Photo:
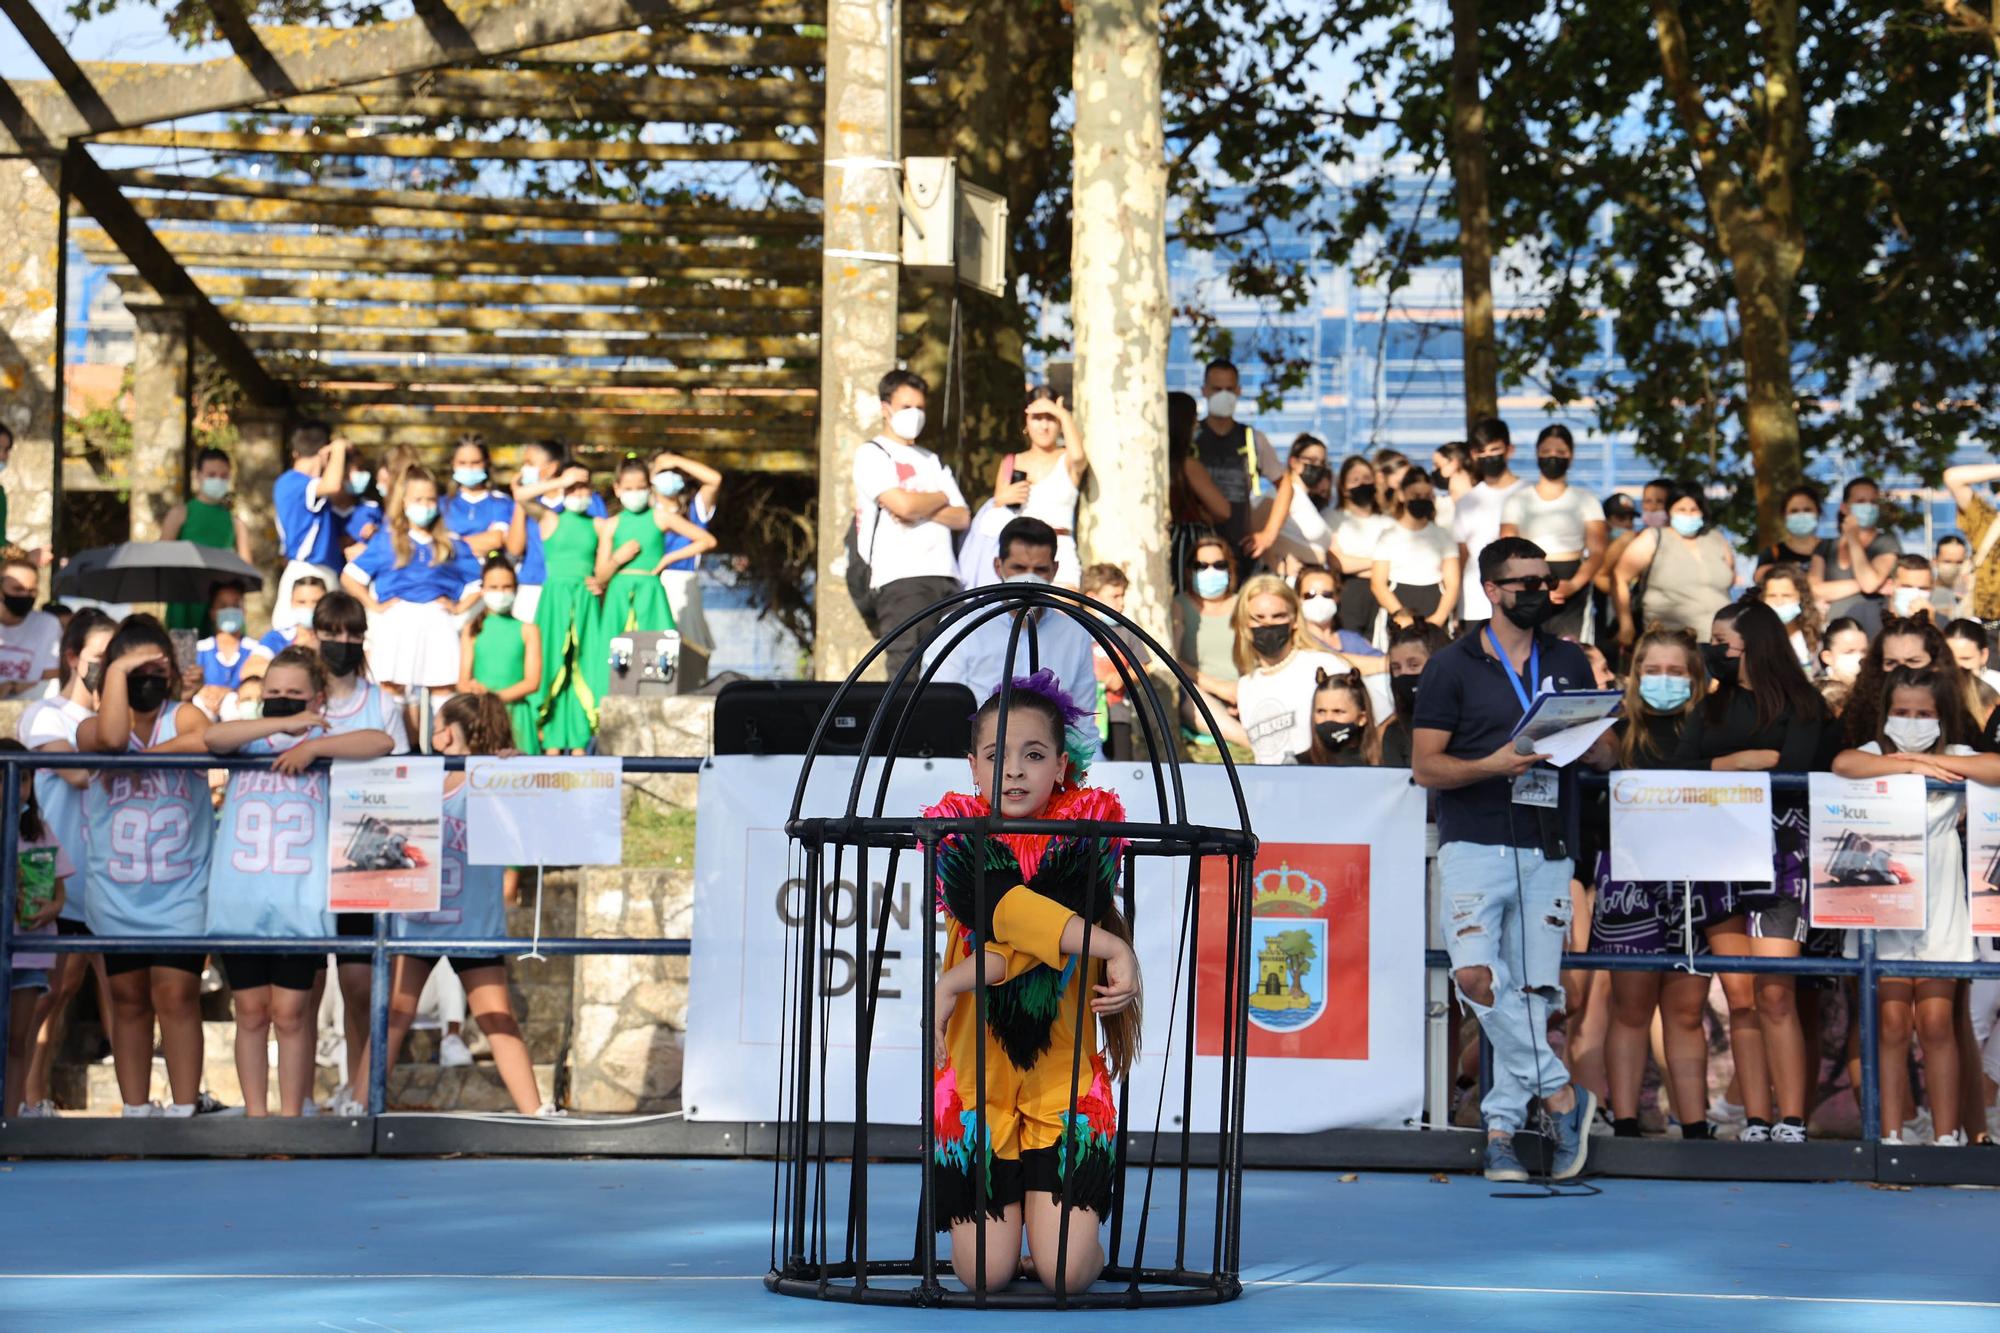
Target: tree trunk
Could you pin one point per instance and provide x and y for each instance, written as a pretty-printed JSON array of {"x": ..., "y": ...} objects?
[
  {"x": 1119, "y": 307},
  {"x": 1469, "y": 162},
  {"x": 1765, "y": 271}
]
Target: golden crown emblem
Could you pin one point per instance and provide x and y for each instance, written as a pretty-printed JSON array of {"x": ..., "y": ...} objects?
[{"x": 1287, "y": 891}]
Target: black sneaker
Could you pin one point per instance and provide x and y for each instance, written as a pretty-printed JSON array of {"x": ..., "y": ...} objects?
[{"x": 207, "y": 1105}]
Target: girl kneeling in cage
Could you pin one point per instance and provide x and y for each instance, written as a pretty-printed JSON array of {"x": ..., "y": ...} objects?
[{"x": 1039, "y": 1155}]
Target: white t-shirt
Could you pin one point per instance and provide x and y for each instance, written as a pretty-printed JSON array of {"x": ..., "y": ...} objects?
[
  {"x": 895, "y": 549},
  {"x": 1355, "y": 535},
  {"x": 1276, "y": 707},
  {"x": 1416, "y": 556},
  {"x": 29, "y": 650},
  {"x": 1554, "y": 525},
  {"x": 48, "y": 720},
  {"x": 1475, "y": 523},
  {"x": 1303, "y": 523},
  {"x": 979, "y": 661}
]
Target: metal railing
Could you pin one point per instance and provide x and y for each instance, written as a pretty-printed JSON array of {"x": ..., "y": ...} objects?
[{"x": 380, "y": 947}]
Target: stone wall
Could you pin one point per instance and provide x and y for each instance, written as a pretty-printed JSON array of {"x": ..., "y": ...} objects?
[{"x": 631, "y": 1013}]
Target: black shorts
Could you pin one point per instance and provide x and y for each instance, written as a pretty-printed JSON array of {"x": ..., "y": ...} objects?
[
  {"x": 118, "y": 964},
  {"x": 463, "y": 965},
  {"x": 286, "y": 971},
  {"x": 352, "y": 925},
  {"x": 64, "y": 926}
]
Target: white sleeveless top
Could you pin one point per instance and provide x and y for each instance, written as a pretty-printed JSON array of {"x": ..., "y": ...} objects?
[{"x": 1053, "y": 498}]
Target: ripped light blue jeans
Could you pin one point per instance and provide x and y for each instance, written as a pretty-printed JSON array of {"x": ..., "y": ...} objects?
[{"x": 1514, "y": 924}]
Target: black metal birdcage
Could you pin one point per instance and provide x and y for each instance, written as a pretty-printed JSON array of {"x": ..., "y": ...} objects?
[{"x": 822, "y": 1246}]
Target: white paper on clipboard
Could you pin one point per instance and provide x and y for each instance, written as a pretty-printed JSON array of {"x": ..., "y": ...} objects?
[{"x": 1563, "y": 726}]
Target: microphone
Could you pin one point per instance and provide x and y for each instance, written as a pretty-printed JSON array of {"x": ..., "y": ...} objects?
[{"x": 1524, "y": 745}]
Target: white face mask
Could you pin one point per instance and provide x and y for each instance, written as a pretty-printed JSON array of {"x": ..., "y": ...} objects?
[
  {"x": 214, "y": 488},
  {"x": 577, "y": 504},
  {"x": 420, "y": 515},
  {"x": 1912, "y": 735},
  {"x": 1317, "y": 610},
  {"x": 906, "y": 423},
  {"x": 1845, "y": 666},
  {"x": 530, "y": 474},
  {"x": 1031, "y": 580},
  {"x": 500, "y": 601},
  {"x": 1910, "y": 600},
  {"x": 635, "y": 500},
  {"x": 1222, "y": 405}
]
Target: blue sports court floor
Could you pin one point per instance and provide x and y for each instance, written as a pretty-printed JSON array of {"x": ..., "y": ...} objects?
[{"x": 376, "y": 1245}]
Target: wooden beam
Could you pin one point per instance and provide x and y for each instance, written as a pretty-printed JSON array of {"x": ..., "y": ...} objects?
[
  {"x": 679, "y": 350},
  {"x": 358, "y": 374},
  {"x": 533, "y": 398},
  {"x": 406, "y": 106},
  {"x": 233, "y": 142},
  {"x": 433, "y": 291},
  {"x": 222, "y": 249},
  {"x": 634, "y": 437},
  {"x": 94, "y": 98},
  {"x": 712, "y": 50},
  {"x": 496, "y": 218},
  {"x": 599, "y": 456},
  {"x": 555, "y": 422},
  {"x": 502, "y": 320}
]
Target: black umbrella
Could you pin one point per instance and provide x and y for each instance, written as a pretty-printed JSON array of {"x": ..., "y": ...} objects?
[{"x": 153, "y": 572}]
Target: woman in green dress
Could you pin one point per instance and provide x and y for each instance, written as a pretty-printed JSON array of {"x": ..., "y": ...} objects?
[
  {"x": 499, "y": 655},
  {"x": 206, "y": 519},
  {"x": 631, "y": 551},
  {"x": 566, "y": 703}
]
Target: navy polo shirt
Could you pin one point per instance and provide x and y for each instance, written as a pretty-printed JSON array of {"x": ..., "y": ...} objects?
[{"x": 1464, "y": 691}]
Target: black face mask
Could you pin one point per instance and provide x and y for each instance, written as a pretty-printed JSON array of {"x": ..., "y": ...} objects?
[
  {"x": 1403, "y": 689},
  {"x": 1363, "y": 496},
  {"x": 93, "y": 679},
  {"x": 1422, "y": 510},
  {"x": 1532, "y": 609},
  {"x": 1440, "y": 480},
  {"x": 1724, "y": 669},
  {"x": 1270, "y": 640},
  {"x": 145, "y": 693},
  {"x": 284, "y": 707},
  {"x": 342, "y": 659},
  {"x": 1490, "y": 465},
  {"x": 1314, "y": 475},
  {"x": 18, "y": 606},
  {"x": 1337, "y": 736},
  {"x": 1553, "y": 468}
]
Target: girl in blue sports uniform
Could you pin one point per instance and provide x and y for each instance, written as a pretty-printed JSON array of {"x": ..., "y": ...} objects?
[
  {"x": 147, "y": 834},
  {"x": 413, "y": 578},
  {"x": 268, "y": 874},
  {"x": 477, "y": 514},
  {"x": 471, "y": 906},
  {"x": 353, "y": 703}
]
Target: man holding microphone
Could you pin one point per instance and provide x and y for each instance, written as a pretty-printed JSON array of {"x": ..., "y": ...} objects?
[{"x": 1507, "y": 835}]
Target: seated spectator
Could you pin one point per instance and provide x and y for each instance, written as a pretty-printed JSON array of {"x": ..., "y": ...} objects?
[
  {"x": 1785, "y": 589},
  {"x": 1205, "y": 640},
  {"x": 1410, "y": 651},
  {"x": 906, "y": 507},
  {"x": 1276, "y": 666},
  {"x": 309, "y": 533},
  {"x": 1954, "y": 578},
  {"x": 206, "y": 518},
  {"x": 1343, "y": 729},
  {"x": 1841, "y": 650},
  {"x": 979, "y": 661},
  {"x": 1319, "y": 604},
  {"x": 1914, "y": 582},
  {"x": 30, "y": 640}
]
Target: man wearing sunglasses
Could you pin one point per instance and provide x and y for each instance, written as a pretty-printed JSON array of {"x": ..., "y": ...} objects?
[{"x": 1507, "y": 834}]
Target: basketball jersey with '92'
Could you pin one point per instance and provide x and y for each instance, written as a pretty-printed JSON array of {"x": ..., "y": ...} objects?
[
  {"x": 471, "y": 899},
  {"x": 149, "y": 832},
  {"x": 267, "y": 876}
]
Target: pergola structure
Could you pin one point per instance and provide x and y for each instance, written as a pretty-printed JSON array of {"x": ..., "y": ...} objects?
[{"x": 751, "y": 281}]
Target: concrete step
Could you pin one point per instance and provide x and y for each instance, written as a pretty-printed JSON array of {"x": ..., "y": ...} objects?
[{"x": 412, "y": 1087}]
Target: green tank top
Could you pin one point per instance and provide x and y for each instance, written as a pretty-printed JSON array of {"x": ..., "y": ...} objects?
[
  {"x": 640, "y": 528},
  {"x": 571, "y": 551},
  {"x": 209, "y": 525},
  {"x": 500, "y": 653}
]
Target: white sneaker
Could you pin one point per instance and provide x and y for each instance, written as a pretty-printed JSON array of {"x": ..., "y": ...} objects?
[
  {"x": 1892, "y": 1141},
  {"x": 452, "y": 1052},
  {"x": 550, "y": 1111},
  {"x": 179, "y": 1111},
  {"x": 350, "y": 1108},
  {"x": 1725, "y": 1114},
  {"x": 142, "y": 1111},
  {"x": 41, "y": 1110},
  {"x": 1783, "y": 1133},
  {"x": 335, "y": 1098},
  {"x": 1755, "y": 1134},
  {"x": 1955, "y": 1139},
  {"x": 1919, "y": 1128}
]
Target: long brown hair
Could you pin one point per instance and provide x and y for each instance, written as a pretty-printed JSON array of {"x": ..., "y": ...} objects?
[
  {"x": 399, "y": 526},
  {"x": 1348, "y": 683},
  {"x": 1770, "y": 673},
  {"x": 1807, "y": 623},
  {"x": 488, "y": 726},
  {"x": 1862, "y": 717},
  {"x": 1955, "y": 725},
  {"x": 1637, "y": 744}
]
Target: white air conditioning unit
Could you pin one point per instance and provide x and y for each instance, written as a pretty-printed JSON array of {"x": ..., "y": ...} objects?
[{"x": 951, "y": 225}]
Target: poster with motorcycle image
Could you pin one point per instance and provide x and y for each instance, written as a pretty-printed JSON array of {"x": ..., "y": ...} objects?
[
  {"x": 384, "y": 837},
  {"x": 1867, "y": 861}
]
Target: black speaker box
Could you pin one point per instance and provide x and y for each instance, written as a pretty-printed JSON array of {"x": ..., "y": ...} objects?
[{"x": 780, "y": 716}]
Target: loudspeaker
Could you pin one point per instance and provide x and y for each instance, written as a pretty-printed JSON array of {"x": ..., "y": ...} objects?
[{"x": 780, "y": 716}]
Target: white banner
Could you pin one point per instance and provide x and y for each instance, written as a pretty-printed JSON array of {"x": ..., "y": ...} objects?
[
  {"x": 1670, "y": 825},
  {"x": 1867, "y": 852},
  {"x": 1982, "y": 856},
  {"x": 535, "y": 811},
  {"x": 1337, "y": 943}
]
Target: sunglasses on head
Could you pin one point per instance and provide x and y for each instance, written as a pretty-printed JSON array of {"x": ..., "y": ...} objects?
[{"x": 1528, "y": 582}]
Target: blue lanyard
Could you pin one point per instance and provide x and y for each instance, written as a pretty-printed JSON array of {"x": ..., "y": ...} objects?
[{"x": 1534, "y": 667}]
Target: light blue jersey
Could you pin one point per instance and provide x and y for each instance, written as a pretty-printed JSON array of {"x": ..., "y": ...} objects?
[
  {"x": 368, "y": 709},
  {"x": 471, "y": 899},
  {"x": 268, "y": 874},
  {"x": 148, "y": 832}
]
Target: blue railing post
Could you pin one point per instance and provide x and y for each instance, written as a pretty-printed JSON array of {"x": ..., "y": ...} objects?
[
  {"x": 378, "y": 1017},
  {"x": 1870, "y": 1091},
  {"x": 10, "y": 890}
]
